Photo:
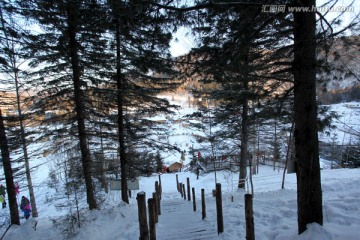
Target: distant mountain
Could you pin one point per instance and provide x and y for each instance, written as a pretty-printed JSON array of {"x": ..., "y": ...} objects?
[{"x": 340, "y": 83}]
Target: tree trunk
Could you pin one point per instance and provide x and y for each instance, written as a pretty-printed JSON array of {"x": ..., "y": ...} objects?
[
  {"x": 34, "y": 211},
  {"x": 14, "y": 212},
  {"x": 288, "y": 155},
  {"x": 244, "y": 70},
  {"x": 104, "y": 182},
  {"x": 306, "y": 139},
  {"x": 15, "y": 70},
  {"x": 244, "y": 136},
  {"x": 276, "y": 147},
  {"x": 79, "y": 104},
  {"x": 119, "y": 80}
]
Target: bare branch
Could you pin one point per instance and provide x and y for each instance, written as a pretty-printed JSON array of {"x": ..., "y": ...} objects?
[{"x": 204, "y": 5}]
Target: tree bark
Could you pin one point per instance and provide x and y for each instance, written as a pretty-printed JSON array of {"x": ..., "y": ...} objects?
[
  {"x": 288, "y": 155},
  {"x": 244, "y": 123},
  {"x": 122, "y": 147},
  {"x": 244, "y": 139},
  {"x": 244, "y": 78},
  {"x": 14, "y": 212},
  {"x": 79, "y": 103},
  {"x": 305, "y": 134},
  {"x": 276, "y": 147}
]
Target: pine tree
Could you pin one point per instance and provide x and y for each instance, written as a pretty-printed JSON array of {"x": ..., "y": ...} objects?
[
  {"x": 72, "y": 28},
  {"x": 303, "y": 66},
  {"x": 236, "y": 43},
  {"x": 159, "y": 162},
  {"x": 143, "y": 69},
  {"x": 5, "y": 155},
  {"x": 12, "y": 59},
  {"x": 305, "y": 133},
  {"x": 68, "y": 56}
]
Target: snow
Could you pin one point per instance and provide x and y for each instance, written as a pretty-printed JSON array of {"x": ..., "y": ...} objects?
[
  {"x": 275, "y": 209},
  {"x": 347, "y": 123}
]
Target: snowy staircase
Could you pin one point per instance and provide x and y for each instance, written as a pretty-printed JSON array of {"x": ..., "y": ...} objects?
[{"x": 178, "y": 221}]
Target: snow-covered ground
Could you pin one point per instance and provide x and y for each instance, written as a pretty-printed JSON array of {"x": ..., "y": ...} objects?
[
  {"x": 347, "y": 124},
  {"x": 275, "y": 210}
]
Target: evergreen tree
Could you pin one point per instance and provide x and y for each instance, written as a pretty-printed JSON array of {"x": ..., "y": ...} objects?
[
  {"x": 301, "y": 62},
  {"x": 67, "y": 56},
  {"x": 159, "y": 162},
  {"x": 143, "y": 69},
  {"x": 236, "y": 42},
  {"x": 12, "y": 59},
  {"x": 305, "y": 133},
  {"x": 5, "y": 155}
]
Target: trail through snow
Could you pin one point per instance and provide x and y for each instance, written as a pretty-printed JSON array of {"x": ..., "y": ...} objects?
[{"x": 179, "y": 221}]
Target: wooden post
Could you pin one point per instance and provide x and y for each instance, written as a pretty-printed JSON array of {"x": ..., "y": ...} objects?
[
  {"x": 188, "y": 189},
  {"x": 194, "y": 201},
  {"x": 181, "y": 190},
  {"x": 152, "y": 214},
  {"x": 160, "y": 187},
  {"x": 203, "y": 205},
  {"x": 143, "y": 226},
  {"x": 159, "y": 206},
  {"x": 177, "y": 183},
  {"x": 220, "y": 220},
  {"x": 183, "y": 187},
  {"x": 249, "y": 217},
  {"x": 158, "y": 199},
  {"x": 156, "y": 207},
  {"x": 157, "y": 187}
]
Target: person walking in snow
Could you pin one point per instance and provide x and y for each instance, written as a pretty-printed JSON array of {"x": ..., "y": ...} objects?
[
  {"x": 25, "y": 206},
  {"x": 2, "y": 201},
  {"x": 27, "y": 211},
  {"x": 2, "y": 196},
  {"x": 2, "y": 190},
  {"x": 24, "y": 201}
]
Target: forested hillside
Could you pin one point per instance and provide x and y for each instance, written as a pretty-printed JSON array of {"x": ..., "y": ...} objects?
[{"x": 90, "y": 94}]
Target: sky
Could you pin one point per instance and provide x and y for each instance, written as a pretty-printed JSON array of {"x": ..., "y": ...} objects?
[{"x": 182, "y": 41}]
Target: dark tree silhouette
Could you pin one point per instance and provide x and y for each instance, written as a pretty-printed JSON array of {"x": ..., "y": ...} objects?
[
  {"x": 5, "y": 154},
  {"x": 309, "y": 194}
]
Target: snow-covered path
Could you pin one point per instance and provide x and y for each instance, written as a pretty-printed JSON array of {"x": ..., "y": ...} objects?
[
  {"x": 275, "y": 210},
  {"x": 179, "y": 221}
]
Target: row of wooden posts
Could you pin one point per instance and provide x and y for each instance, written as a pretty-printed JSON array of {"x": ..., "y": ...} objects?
[
  {"x": 219, "y": 213},
  {"x": 149, "y": 231},
  {"x": 249, "y": 213}
]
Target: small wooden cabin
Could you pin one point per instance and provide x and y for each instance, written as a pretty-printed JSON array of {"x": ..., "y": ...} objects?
[{"x": 175, "y": 167}]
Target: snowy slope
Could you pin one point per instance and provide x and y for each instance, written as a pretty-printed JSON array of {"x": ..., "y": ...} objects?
[
  {"x": 274, "y": 209},
  {"x": 348, "y": 122}
]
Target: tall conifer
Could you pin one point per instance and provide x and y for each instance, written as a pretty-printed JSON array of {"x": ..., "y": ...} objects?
[
  {"x": 67, "y": 53},
  {"x": 143, "y": 70},
  {"x": 235, "y": 42},
  {"x": 12, "y": 61}
]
